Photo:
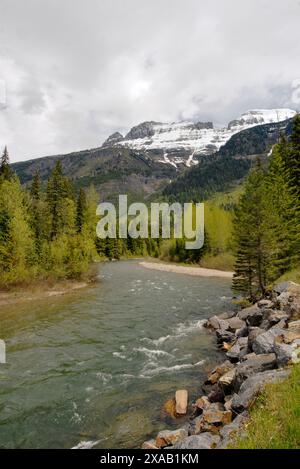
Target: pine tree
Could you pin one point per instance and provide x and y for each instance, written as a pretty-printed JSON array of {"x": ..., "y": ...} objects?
[
  {"x": 5, "y": 169},
  {"x": 291, "y": 157},
  {"x": 251, "y": 241},
  {"x": 35, "y": 187}
]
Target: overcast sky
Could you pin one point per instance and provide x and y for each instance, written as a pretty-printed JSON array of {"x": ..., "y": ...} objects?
[{"x": 78, "y": 70}]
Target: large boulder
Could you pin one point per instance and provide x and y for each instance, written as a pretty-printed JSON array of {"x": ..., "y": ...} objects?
[
  {"x": 224, "y": 336},
  {"x": 212, "y": 419},
  {"x": 203, "y": 441},
  {"x": 275, "y": 317},
  {"x": 253, "y": 386},
  {"x": 252, "y": 365},
  {"x": 253, "y": 333},
  {"x": 181, "y": 401},
  {"x": 235, "y": 323},
  {"x": 284, "y": 353},
  {"x": 252, "y": 315},
  {"x": 264, "y": 343},
  {"x": 169, "y": 437}
]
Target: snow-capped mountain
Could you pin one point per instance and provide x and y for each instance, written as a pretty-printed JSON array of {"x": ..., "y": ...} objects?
[{"x": 184, "y": 142}]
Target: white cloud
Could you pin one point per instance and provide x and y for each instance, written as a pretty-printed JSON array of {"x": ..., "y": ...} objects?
[{"x": 76, "y": 71}]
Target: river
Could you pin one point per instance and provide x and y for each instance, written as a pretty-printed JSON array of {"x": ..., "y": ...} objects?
[{"x": 97, "y": 365}]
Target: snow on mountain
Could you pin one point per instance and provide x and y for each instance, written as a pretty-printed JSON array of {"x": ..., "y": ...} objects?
[{"x": 183, "y": 142}]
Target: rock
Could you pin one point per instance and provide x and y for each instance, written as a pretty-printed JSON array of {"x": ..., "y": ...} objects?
[
  {"x": 284, "y": 353},
  {"x": 294, "y": 325},
  {"x": 253, "y": 333},
  {"x": 203, "y": 441},
  {"x": 265, "y": 304},
  {"x": 253, "y": 365},
  {"x": 181, "y": 399},
  {"x": 253, "y": 386},
  {"x": 216, "y": 394},
  {"x": 264, "y": 343},
  {"x": 218, "y": 371},
  {"x": 217, "y": 417},
  {"x": 252, "y": 315},
  {"x": 228, "y": 432},
  {"x": 235, "y": 323},
  {"x": 213, "y": 323},
  {"x": 243, "y": 332},
  {"x": 226, "y": 381},
  {"x": 227, "y": 315},
  {"x": 274, "y": 317},
  {"x": 202, "y": 403},
  {"x": 228, "y": 403},
  {"x": 224, "y": 336},
  {"x": 168, "y": 437},
  {"x": 150, "y": 444},
  {"x": 284, "y": 299},
  {"x": 216, "y": 322},
  {"x": 234, "y": 353},
  {"x": 283, "y": 286}
]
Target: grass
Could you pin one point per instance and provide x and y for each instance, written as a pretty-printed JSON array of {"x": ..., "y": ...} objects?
[
  {"x": 275, "y": 419},
  {"x": 293, "y": 276},
  {"x": 222, "y": 261}
]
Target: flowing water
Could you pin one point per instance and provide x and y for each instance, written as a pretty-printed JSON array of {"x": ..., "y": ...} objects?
[{"x": 98, "y": 365}]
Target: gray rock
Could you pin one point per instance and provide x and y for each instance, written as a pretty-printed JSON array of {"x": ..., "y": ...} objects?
[
  {"x": 265, "y": 304},
  {"x": 254, "y": 364},
  {"x": 281, "y": 287},
  {"x": 274, "y": 317},
  {"x": 234, "y": 353},
  {"x": 245, "y": 313},
  {"x": 253, "y": 333},
  {"x": 235, "y": 324},
  {"x": 228, "y": 432},
  {"x": 284, "y": 353},
  {"x": 224, "y": 336},
  {"x": 253, "y": 386},
  {"x": 203, "y": 441},
  {"x": 264, "y": 343}
]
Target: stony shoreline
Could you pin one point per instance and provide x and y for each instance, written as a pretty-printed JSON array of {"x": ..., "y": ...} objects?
[{"x": 260, "y": 343}]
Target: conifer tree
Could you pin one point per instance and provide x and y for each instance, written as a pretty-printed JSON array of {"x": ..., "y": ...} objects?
[
  {"x": 5, "y": 169},
  {"x": 251, "y": 241}
]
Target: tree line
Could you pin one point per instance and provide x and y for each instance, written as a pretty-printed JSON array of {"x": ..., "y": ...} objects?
[
  {"x": 48, "y": 229},
  {"x": 267, "y": 219}
]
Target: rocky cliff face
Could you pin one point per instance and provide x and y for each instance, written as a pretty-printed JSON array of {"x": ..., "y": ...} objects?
[{"x": 185, "y": 142}]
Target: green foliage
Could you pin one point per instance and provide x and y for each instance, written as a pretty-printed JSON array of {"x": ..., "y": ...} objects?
[
  {"x": 267, "y": 220},
  {"x": 45, "y": 234},
  {"x": 6, "y": 172}
]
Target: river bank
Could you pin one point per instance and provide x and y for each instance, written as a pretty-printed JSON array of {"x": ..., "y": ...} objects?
[
  {"x": 186, "y": 270},
  {"x": 40, "y": 290},
  {"x": 260, "y": 344}
]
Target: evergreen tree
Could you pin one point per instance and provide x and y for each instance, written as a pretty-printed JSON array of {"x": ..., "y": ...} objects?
[
  {"x": 251, "y": 240},
  {"x": 5, "y": 169},
  {"x": 35, "y": 187}
]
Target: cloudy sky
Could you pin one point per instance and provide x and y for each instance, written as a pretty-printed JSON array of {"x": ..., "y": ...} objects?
[{"x": 77, "y": 70}]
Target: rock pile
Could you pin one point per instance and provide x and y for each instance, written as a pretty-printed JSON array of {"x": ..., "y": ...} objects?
[{"x": 260, "y": 342}]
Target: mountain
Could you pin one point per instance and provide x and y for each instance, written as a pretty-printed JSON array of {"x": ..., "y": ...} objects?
[
  {"x": 186, "y": 142},
  {"x": 153, "y": 155},
  {"x": 228, "y": 166}
]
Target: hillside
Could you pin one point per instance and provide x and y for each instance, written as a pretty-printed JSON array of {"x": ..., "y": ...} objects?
[{"x": 128, "y": 165}]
